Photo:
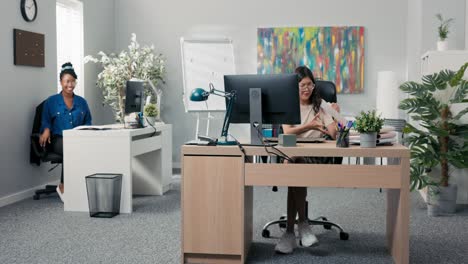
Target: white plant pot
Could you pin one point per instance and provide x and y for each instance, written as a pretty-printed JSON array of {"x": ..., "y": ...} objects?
[
  {"x": 150, "y": 120},
  {"x": 442, "y": 45},
  {"x": 441, "y": 200}
]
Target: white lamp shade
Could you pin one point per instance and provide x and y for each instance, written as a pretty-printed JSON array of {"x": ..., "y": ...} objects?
[{"x": 387, "y": 94}]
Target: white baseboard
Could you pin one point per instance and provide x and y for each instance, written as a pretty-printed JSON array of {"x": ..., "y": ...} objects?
[{"x": 16, "y": 197}]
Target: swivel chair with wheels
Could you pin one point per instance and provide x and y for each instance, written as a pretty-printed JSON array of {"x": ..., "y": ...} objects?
[
  {"x": 39, "y": 154},
  {"x": 327, "y": 91}
]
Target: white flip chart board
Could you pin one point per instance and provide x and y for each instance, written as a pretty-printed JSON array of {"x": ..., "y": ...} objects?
[{"x": 206, "y": 61}]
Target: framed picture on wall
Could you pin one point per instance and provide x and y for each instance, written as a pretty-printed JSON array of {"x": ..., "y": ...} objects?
[
  {"x": 332, "y": 53},
  {"x": 28, "y": 48}
]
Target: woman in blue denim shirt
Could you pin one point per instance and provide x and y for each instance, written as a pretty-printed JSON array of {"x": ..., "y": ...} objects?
[{"x": 62, "y": 111}]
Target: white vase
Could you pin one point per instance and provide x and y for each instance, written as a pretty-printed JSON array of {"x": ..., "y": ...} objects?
[
  {"x": 150, "y": 120},
  {"x": 442, "y": 45}
]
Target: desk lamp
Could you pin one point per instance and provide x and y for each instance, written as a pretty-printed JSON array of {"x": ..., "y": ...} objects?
[{"x": 200, "y": 95}]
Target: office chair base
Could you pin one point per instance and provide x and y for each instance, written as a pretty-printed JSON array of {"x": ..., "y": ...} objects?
[
  {"x": 317, "y": 221},
  {"x": 49, "y": 189}
]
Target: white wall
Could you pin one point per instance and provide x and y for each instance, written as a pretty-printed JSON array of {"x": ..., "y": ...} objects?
[
  {"x": 99, "y": 35},
  {"x": 449, "y": 9},
  {"x": 164, "y": 22},
  {"x": 23, "y": 88},
  {"x": 466, "y": 24},
  {"x": 422, "y": 32},
  {"x": 414, "y": 39}
]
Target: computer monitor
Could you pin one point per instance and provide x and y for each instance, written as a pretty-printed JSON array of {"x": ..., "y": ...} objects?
[
  {"x": 278, "y": 103},
  {"x": 134, "y": 97}
]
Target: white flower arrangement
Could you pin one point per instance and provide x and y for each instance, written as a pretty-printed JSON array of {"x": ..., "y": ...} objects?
[{"x": 138, "y": 62}]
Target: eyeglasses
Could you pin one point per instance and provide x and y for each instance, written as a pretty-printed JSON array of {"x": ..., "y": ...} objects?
[{"x": 306, "y": 86}]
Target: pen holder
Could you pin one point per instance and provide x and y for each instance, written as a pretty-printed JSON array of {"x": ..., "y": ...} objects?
[{"x": 342, "y": 139}]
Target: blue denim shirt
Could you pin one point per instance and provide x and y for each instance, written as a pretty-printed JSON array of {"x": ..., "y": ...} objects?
[{"x": 57, "y": 117}]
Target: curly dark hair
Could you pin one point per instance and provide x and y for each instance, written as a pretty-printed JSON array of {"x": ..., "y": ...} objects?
[
  {"x": 315, "y": 99},
  {"x": 67, "y": 68}
]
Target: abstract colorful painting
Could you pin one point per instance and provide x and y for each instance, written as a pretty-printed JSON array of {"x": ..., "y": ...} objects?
[{"x": 332, "y": 53}]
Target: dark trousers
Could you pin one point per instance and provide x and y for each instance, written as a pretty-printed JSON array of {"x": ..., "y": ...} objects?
[{"x": 56, "y": 146}]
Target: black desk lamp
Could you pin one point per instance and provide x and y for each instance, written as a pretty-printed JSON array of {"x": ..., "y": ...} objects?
[{"x": 199, "y": 95}]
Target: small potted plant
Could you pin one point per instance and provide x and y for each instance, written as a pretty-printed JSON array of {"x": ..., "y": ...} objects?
[
  {"x": 368, "y": 124},
  {"x": 443, "y": 29},
  {"x": 150, "y": 113}
]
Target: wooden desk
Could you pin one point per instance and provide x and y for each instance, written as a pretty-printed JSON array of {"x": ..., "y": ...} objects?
[{"x": 217, "y": 194}]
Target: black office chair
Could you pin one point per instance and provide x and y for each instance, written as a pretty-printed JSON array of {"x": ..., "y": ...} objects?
[
  {"x": 39, "y": 154},
  {"x": 327, "y": 91}
]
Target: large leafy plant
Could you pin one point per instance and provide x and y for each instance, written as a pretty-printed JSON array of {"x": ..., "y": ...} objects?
[
  {"x": 136, "y": 62},
  {"x": 440, "y": 139}
]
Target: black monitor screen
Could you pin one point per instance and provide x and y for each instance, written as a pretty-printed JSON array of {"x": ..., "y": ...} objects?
[
  {"x": 134, "y": 97},
  {"x": 280, "y": 97}
]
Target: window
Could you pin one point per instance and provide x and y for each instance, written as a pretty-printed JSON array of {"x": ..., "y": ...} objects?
[{"x": 70, "y": 39}]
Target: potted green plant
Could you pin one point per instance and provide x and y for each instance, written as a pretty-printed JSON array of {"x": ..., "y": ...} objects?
[
  {"x": 439, "y": 142},
  {"x": 443, "y": 30},
  {"x": 150, "y": 113},
  {"x": 138, "y": 62},
  {"x": 368, "y": 124}
]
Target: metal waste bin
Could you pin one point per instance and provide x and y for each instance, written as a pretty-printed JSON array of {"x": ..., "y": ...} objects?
[{"x": 104, "y": 191}]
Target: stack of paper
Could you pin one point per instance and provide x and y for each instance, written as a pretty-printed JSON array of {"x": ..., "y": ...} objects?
[{"x": 387, "y": 135}]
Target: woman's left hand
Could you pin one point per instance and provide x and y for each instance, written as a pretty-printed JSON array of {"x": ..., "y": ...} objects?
[{"x": 336, "y": 107}]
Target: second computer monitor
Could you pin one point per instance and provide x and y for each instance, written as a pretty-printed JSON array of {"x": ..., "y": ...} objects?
[
  {"x": 134, "y": 97},
  {"x": 278, "y": 103}
]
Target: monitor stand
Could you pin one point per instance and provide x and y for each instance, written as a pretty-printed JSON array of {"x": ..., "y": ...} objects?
[{"x": 255, "y": 100}]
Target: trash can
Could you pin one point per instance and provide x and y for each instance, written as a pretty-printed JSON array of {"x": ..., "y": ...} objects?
[{"x": 104, "y": 194}]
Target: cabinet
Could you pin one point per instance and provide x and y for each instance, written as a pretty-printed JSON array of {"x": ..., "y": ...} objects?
[
  {"x": 435, "y": 61},
  {"x": 214, "y": 206}
]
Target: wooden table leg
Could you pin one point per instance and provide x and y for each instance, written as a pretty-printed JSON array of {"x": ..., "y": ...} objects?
[{"x": 398, "y": 208}]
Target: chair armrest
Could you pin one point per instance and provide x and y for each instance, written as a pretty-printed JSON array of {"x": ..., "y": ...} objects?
[{"x": 38, "y": 150}]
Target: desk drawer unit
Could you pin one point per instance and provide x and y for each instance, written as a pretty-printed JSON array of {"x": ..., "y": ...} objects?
[{"x": 212, "y": 197}]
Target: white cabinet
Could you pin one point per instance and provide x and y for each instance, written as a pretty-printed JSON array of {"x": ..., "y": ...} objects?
[{"x": 435, "y": 61}]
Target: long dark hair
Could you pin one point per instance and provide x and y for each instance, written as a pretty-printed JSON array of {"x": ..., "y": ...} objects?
[{"x": 315, "y": 99}]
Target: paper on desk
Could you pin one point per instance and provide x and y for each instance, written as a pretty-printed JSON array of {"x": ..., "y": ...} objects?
[{"x": 327, "y": 108}]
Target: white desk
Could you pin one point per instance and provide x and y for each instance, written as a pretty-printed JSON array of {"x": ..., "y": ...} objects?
[{"x": 144, "y": 161}]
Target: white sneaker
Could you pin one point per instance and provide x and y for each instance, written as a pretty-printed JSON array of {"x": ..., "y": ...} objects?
[
  {"x": 286, "y": 244},
  {"x": 61, "y": 195},
  {"x": 305, "y": 232}
]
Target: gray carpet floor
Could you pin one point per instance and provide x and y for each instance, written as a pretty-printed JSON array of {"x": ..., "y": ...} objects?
[{"x": 41, "y": 232}]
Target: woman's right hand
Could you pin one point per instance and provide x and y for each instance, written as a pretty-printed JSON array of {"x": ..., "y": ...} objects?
[
  {"x": 315, "y": 123},
  {"x": 44, "y": 138}
]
